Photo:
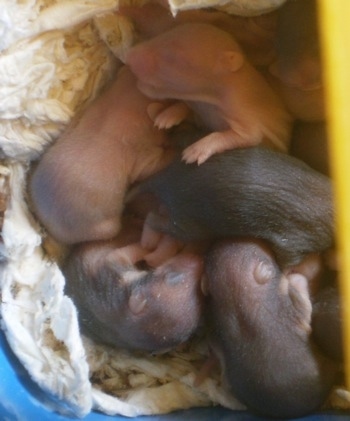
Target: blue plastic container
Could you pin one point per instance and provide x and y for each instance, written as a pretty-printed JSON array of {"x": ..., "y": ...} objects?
[{"x": 22, "y": 400}]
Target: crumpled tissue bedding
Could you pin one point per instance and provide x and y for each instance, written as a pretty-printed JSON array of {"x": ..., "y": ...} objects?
[{"x": 55, "y": 55}]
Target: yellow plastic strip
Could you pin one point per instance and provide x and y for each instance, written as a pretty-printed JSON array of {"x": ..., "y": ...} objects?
[{"x": 335, "y": 36}]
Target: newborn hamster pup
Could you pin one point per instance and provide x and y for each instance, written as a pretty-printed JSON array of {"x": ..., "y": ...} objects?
[
  {"x": 253, "y": 192},
  {"x": 297, "y": 69},
  {"x": 255, "y": 34},
  {"x": 147, "y": 310},
  {"x": 230, "y": 97},
  {"x": 259, "y": 321},
  {"x": 78, "y": 187}
]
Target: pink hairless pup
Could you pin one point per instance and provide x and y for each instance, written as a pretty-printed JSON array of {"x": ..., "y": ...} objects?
[
  {"x": 78, "y": 187},
  {"x": 205, "y": 67},
  {"x": 255, "y": 34},
  {"x": 297, "y": 71}
]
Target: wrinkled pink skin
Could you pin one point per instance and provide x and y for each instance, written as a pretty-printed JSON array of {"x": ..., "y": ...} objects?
[
  {"x": 260, "y": 322},
  {"x": 78, "y": 187},
  {"x": 297, "y": 70},
  {"x": 255, "y": 34},
  {"x": 204, "y": 67},
  {"x": 136, "y": 309}
]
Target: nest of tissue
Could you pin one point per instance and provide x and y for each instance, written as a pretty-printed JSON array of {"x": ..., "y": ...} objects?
[{"x": 55, "y": 57}]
